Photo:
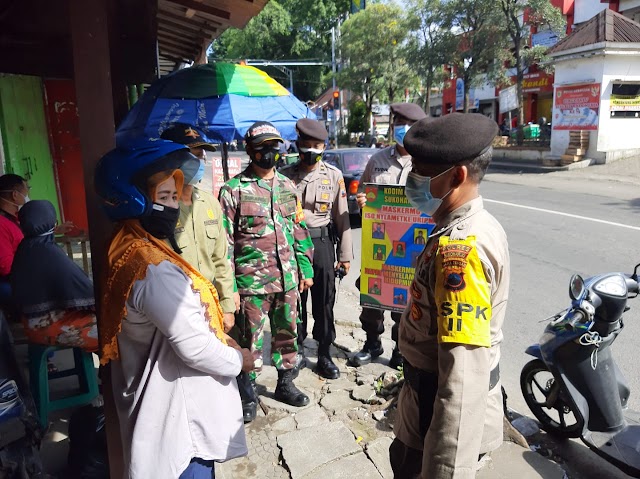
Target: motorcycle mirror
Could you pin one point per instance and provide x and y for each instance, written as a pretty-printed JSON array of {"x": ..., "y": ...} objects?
[
  {"x": 635, "y": 270},
  {"x": 576, "y": 287}
]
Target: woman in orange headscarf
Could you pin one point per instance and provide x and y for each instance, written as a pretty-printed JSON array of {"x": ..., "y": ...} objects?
[{"x": 160, "y": 326}]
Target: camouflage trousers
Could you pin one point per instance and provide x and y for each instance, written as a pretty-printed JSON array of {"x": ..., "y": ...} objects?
[{"x": 281, "y": 309}]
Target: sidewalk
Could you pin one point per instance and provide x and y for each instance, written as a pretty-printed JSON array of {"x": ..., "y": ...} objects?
[
  {"x": 623, "y": 171},
  {"x": 346, "y": 429}
]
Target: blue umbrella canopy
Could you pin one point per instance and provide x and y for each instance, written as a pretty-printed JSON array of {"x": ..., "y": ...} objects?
[{"x": 222, "y": 99}]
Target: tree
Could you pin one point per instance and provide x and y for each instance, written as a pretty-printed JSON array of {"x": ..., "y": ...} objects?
[
  {"x": 480, "y": 42},
  {"x": 519, "y": 17},
  {"x": 372, "y": 45},
  {"x": 288, "y": 30},
  {"x": 431, "y": 42},
  {"x": 357, "y": 117}
]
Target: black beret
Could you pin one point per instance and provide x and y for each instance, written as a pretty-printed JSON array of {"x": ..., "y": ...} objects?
[
  {"x": 450, "y": 139},
  {"x": 410, "y": 111},
  {"x": 309, "y": 129}
]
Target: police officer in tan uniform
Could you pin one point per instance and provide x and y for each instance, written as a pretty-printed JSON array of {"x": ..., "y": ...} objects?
[
  {"x": 450, "y": 410},
  {"x": 324, "y": 201},
  {"x": 390, "y": 166}
]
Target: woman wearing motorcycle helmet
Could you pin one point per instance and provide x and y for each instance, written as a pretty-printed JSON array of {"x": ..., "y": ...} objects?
[{"x": 173, "y": 370}]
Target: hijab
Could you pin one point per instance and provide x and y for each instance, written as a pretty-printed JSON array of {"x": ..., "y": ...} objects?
[{"x": 43, "y": 277}]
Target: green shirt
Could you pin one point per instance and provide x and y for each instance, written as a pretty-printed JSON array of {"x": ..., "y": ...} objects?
[{"x": 201, "y": 235}]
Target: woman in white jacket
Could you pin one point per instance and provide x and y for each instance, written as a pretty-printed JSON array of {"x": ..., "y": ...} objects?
[{"x": 173, "y": 368}]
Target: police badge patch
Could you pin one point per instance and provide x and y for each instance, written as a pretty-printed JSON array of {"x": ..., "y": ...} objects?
[
  {"x": 455, "y": 282},
  {"x": 454, "y": 262}
]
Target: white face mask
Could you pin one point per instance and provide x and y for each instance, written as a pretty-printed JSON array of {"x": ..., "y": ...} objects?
[
  {"x": 50, "y": 232},
  {"x": 418, "y": 192},
  {"x": 26, "y": 199}
]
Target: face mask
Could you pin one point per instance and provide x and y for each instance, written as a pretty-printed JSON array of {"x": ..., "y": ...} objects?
[
  {"x": 266, "y": 157},
  {"x": 418, "y": 191},
  {"x": 26, "y": 199},
  {"x": 310, "y": 156},
  {"x": 199, "y": 174},
  {"x": 162, "y": 221},
  {"x": 399, "y": 132}
]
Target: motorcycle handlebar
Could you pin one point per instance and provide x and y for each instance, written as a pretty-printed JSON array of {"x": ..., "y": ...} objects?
[
  {"x": 578, "y": 316},
  {"x": 633, "y": 286}
]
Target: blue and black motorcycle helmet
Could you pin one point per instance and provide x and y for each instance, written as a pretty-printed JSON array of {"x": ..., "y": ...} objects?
[{"x": 121, "y": 175}]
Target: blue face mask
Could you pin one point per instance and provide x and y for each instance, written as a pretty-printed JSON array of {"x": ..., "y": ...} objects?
[
  {"x": 399, "y": 132},
  {"x": 418, "y": 191},
  {"x": 199, "y": 174}
]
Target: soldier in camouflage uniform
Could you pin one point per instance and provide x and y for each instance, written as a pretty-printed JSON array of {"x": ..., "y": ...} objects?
[{"x": 271, "y": 254}]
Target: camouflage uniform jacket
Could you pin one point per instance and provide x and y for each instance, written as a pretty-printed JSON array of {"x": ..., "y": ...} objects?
[{"x": 270, "y": 248}]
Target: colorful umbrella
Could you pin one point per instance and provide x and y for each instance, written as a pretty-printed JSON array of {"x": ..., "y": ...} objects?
[{"x": 223, "y": 99}]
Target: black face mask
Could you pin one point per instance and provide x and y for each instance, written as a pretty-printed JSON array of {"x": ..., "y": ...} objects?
[
  {"x": 265, "y": 157},
  {"x": 311, "y": 156},
  {"x": 161, "y": 223}
]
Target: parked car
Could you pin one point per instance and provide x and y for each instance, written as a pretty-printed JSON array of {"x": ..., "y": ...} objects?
[{"x": 351, "y": 161}]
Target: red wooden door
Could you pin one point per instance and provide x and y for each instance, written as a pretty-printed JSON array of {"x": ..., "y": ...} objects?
[{"x": 64, "y": 136}]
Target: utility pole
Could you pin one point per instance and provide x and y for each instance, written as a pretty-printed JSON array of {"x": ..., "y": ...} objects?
[{"x": 333, "y": 69}]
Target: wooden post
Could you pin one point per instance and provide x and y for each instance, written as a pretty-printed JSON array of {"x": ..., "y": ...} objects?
[
  {"x": 225, "y": 161},
  {"x": 89, "y": 22}
]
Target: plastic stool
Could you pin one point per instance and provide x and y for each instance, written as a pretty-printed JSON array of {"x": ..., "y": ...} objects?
[{"x": 39, "y": 377}]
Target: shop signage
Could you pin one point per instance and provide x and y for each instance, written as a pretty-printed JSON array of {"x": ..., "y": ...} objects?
[
  {"x": 546, "y": 38},
  {"x": 508, "y": 99},
  {"x": 624, "y": 102},
  {"x": 576, "y": 107},
  {"x": 537, "y": 82}
]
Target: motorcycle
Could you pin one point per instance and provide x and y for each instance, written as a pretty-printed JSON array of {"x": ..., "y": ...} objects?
[
  {"x": 20, "y": 431},
  {"x": 574, "y": 386}
]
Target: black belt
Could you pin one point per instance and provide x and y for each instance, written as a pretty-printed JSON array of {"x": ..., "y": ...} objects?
[
  {"x": 319, "y": 232},
  {"x": 415, "y": 377},
  {"x": 425, "y": 384}
]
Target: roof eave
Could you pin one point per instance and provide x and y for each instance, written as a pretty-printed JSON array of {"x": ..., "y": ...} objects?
[{"x": 577, "y": 50}]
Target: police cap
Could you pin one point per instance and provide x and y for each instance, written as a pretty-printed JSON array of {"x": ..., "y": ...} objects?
[
  {"x": 309, "y": 129},
  {"x": 410, "y": 111},
  {"x": 450, "y": 139}
]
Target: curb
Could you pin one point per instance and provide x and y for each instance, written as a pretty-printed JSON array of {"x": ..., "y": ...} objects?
[{"x": 526, "y": 167}]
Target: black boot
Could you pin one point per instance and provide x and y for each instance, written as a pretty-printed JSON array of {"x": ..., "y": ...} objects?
[
  {"x": 326, "y": 367},
  {"x": 249, "y": 397},
  {"x": 287, "y": 392},
  {"x": 301, "y": 360},
  {"x": 372, "y": 349},
  {"x": 396, "y": 361}
]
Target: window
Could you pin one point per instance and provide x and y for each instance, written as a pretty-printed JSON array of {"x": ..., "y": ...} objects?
[
  {"x": 331, "y": 159},
  {"x": 625, "y": 100}
]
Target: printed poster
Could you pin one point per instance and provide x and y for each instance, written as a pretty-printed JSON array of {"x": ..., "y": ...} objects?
[
  {"x": 576, "y": 107},
  {"x": 393, "y": 235},
  {"x": 218, "y": 172},
  {"x": 624, "y": 102}
]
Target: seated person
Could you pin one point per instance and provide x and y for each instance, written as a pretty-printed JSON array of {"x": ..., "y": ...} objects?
[
  {"x": 14, "y": 193},
  {"x": 54, "y": 296}
]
